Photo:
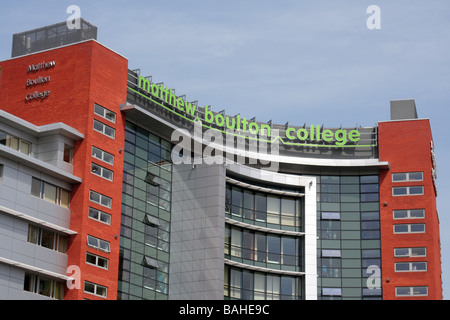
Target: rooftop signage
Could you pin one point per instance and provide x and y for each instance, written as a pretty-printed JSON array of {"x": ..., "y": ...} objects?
[{"x": 314, "y": 136}]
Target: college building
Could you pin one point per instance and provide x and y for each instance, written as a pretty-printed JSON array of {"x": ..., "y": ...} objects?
[{"x": 112, "y": 186}]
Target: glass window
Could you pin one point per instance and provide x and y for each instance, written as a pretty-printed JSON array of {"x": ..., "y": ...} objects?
[
  {"x": 98, "y": 243},
  {"x": 409, "y": 228},
  {"x": 273, "y": 209},
  {"x": 96, "y": 260},
  {"x": 65, "y": 198},
  {"x": 331, "y": 253},
  {"x": 105, "y": 113},
  {"x": 331, "y": 215},
  {"x": 43, "y": 286},
  {"x": 289, "y": 215},
  {"x": 15, "y": 143},
  {"x": 47, "y": 239},
  {"x": 68, "y": 154},
  {"x": 260, "y": 247},
  {"x": 102, "y": 155},
  {"x": 273, "y": 249},
  {"x": 235, "y": 284},
  {"x": 332, "y": 291},
  {"x": 103, "y": 128},
  {"x": 101, "y": 172},
  {"x": 411, "y": 291},
  {"x": 95, "y": 289},
  {"x": 99, "y": 215},
  {"x": 410, "y": 252},
  {"x": 369, "y": 179},
  {"x": 287, "y": 288},
  {"x": 407, "y": 176},
  {"x": 409, "y": 214},
  {"x": 272, "y": 287},
  {"x": 289, "y": 251},
  {"x": 410, "y": 266},
  {"x": 100, "y": 199},
  {"x": 404, "y": 191},
  {"x": 50, "y": 193}
]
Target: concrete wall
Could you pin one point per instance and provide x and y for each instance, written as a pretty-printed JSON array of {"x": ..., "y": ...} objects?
[{"x": 197, "y": 232}]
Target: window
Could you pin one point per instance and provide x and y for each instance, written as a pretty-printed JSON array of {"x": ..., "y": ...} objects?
[
  {"x": 15, "y": 143},
  {"x": 68, "y": 154},
  {"x": 102, "y": 155},
  {"x": 1, "y": 173},
  {"x": 409, "y": 214},
  {"x": 411, "y": 291},
  {"x": 252, "y": 285},
  {"x": 331, "y": 253},
  {"x": 332, "y": 291},
  {"x": 260, "y": 207},
  {"x": 47, "y": 239},
  {"x": 409, "y": 228},
  {"x": 410, "y": 252},
  {"x": 105, "y": 113},
  {"x": 410, "y": 266},
  {"x": 369, "y": 189},
  {"x": 261, "y": 247},
  {"x": 96, "y": 260},
  {"x": 100, "y": 199},
  {"x": 101, "y": 172},
  {"x": 95, "y": 289},
  {"x": 407, "y": 191},
  {"x": 98, "y": 243},
  {"x": 43, "y": 286},
  {"x": 103, "y": 128},
  {"x": 99, "y": 216},
  {"x": 50, "y": 193},
  {"x": 331, "y": 216},
  {"x": 407, "y": 176}
]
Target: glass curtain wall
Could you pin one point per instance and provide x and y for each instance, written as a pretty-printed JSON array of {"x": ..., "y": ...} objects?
[
  {"x": 146, "y": 202},
  {"x": 349, "y": 254},
  {"x": 263, "y": 249}
]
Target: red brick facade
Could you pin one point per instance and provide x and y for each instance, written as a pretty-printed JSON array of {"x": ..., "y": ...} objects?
[
  {"x": 407, "y": 146},
  {"x": 83, "y": 75}
]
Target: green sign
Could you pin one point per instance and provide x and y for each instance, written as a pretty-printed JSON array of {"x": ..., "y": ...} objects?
[{"x": 232, "y": 125}]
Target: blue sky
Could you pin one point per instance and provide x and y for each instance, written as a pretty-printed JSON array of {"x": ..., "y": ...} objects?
[{"x": 313, "y": 62}]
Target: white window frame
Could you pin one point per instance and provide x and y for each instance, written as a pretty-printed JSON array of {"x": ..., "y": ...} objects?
[
  {"x": 101, "y": 197},
  {"x": 96, "y": 286},
  {"x": 411, "y": 292},
  {"x": 100, "y": 215},
  {"x": 103, "y": 130},
  {"x": 103, "y": 112},
  {"x": 97, "y": 258},
  {"x": 103, "y": 153},
  {"x": 102, "y": 172},
  {"x": 408, "y": 214},
  {"x": 407, "y": 176},
  {"x": 409, "y": 228},
  {"x": 408, "y": 191},
  {"x": 412, "y": 266},
  {"x": 99, "y": 243},
  {"x": 410, "y": 252}
]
